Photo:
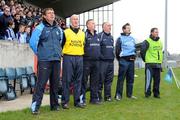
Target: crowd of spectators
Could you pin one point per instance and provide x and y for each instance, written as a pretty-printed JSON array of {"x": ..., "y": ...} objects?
[{"x": 17, "y": 20}]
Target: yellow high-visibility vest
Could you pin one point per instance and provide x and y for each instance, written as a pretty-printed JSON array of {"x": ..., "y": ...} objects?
[
  {"x": 74, "y": 44},
  {"x": 154, "y": 53}
]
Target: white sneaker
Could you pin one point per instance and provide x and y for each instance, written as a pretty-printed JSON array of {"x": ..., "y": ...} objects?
[
  {"x": 135, "y": 75},
  {"x": 118, "y": 98},
  {"x": 133, "y": 97}
]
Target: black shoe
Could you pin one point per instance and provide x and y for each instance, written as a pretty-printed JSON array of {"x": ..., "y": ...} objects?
[
  {"x": 79, "y": 105},
  {"x": 96, "y": 102},
  {"x": 101, "y": 100},
  {"x": 109, "y": 99},
  {"x": 65, "y": 106},
  {"x": 55, "y": 108},
  {"x": 100, "y": 96},
  {"x": 147, "y": 96},
  {"x": 157, "y": 96}
]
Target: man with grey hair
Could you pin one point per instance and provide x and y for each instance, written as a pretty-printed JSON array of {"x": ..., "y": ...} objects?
[
  {"x": 106, "y": 62},
  {"x": 91, "y": 66},
  {"x": 73, "y": 51}
]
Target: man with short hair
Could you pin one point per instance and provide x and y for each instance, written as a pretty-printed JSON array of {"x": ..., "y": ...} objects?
[
  {"x": 46, "y": 42},
  {"x": 4, "y": 19},
  {"x": 126, "y": 54},
  {"x": 106, "y": 62},
  {"x": 17, "y": 21},
  {"x": 92, "y": 55},
  {"x": 152, "y": 55},
  {"x": 73, "y": 51}
]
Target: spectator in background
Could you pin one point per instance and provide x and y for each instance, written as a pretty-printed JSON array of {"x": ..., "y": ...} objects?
[
  {"x": 35, "y": 16},
  {"x": 17, "y": 22},
  {"x": 22, "y": 17},
  {"x": 4, "y": 19},
  {"x": 29, "y": 20},
  {"x": 9, "y": 33},
  {"x": 13, "y": 11},
  {"x": 11, "y": 3},
  {"x": 62, "y": 24},
  {"x": 36, "y": 22},
  {"x": 21, "y": 36},
  {"x": 28, "y": 33},
  {"x": 3, "y": 3}
]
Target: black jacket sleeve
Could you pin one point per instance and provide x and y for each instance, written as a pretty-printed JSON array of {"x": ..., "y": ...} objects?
[
  {"x": 143, "y": 49},
  {"x": 63, "y": 40},
  {"x": 118, "y": 48},
  {"x": 138, "y": 46}
]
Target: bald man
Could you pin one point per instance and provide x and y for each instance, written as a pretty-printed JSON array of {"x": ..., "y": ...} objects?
[
  {"x": 106, "y": 62},
  {"x": 73, "y": 51}
]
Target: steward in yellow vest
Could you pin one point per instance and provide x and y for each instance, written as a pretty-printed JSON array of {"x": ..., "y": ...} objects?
[
  {"x": 73, "y": 51},
  {"x": 152, "y": 54},
  {"x": 74, "y": 43}
]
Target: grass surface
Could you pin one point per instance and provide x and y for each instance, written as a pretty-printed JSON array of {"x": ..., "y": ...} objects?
[{"x": 166, "y": 108}]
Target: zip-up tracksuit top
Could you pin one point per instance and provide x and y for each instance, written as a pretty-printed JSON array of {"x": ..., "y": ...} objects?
[
  {"x": 46, "y": 41},
  {"x": 92, "y": 46},
  {"x": 107, "y": 46}
]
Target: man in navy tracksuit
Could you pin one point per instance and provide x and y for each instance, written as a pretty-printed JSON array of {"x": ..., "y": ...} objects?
[
  {"x": 91, "y": 63},
  {"x": 125, "y": 53},
  {"x": 107, "y": 62},
  {"x": 73, "y": 51},
  {"x": 46, "y": 43}
]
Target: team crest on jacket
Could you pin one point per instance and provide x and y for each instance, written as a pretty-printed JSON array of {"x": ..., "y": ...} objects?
[{"x": 57, "y": 32}]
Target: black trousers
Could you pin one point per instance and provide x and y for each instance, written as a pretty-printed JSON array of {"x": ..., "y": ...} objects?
[
  {"x": 72, "y": 73},
  {"x": 106, "y": 77},
  {"x": 91, "y": 70},
  {"x": 126, "y": 70},
  {"x": 152, "y": 73},
  {"x": 47, "y": 70}
]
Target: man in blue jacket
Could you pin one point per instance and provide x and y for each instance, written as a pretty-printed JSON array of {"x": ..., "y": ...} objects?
[
  {"x": 91, "y": 63},
  {"x": 46, "y": 43},
  {"x": 107, "y": 62},
  {"x": 125, "y": 53}
]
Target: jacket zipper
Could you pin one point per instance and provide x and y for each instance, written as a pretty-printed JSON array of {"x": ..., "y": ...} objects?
[{"x": 158, "y": 56}]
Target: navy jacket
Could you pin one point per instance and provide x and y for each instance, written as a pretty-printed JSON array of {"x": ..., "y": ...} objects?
[
  {"x": 4, "y": 23},
  {"x": 46, "y": 41},
  {"x": 107, "y": 46},
  {"x": 92, "y": 46}
]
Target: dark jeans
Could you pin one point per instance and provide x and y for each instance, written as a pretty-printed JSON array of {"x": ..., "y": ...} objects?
[
  {"x": 47, "y": 70},
  {"x": 149, "y": 74},
  {"x": 106, "y": 77},
  {"x": 91, "y": 70},
  {"x": 126, "y": 70},
  {"x": 72, "y": 73}
]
